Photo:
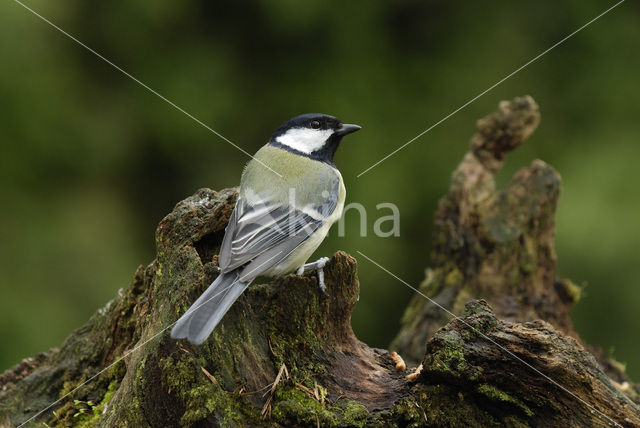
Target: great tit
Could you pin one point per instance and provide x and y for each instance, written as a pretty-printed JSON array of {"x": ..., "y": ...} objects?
[{"x": 282, "y": 214}]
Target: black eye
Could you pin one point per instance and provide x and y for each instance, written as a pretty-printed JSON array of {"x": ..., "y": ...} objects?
[{"x": 315, "y": 124}]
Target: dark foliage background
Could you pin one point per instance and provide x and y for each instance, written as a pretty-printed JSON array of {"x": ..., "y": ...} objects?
[{"x": 91, "y": 161}]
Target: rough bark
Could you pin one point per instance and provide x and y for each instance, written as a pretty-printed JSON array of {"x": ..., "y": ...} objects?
[
  {"x": 496, "y": 244},
  {"x": 285, "y": 354}
]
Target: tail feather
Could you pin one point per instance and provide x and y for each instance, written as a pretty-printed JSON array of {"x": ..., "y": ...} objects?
[{"x": 205, "y": 313}]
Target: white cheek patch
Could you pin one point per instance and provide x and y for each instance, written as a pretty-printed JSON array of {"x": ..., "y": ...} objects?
[{"x": 305, "y": 140}]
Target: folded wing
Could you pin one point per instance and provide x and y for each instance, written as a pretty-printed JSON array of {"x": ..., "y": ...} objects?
[{"x": 261, "y": 234}]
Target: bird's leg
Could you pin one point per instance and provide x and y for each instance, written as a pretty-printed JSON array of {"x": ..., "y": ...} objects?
[{"x": 318, "y": 266}]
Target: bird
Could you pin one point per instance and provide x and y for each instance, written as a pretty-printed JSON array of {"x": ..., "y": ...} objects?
[{"x": 291, "y": 192}]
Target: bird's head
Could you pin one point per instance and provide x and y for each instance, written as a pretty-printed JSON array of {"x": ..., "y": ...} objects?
[{"x": 313, "y": 135}]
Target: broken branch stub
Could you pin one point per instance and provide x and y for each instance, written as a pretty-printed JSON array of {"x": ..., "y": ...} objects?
[{"x": 493, "y": 244}]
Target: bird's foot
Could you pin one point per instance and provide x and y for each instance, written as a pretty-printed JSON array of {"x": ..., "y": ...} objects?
[{"x": 318, "y": 266}]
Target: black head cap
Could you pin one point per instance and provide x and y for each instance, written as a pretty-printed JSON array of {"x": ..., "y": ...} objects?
[{"x": 334, "y": 131}]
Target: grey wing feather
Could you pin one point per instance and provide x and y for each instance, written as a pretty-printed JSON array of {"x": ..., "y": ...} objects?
[
  {"x": 205, "y": 313},
  {"x": 224, "y": 254},
  {"x": 264, "y": 234},
  {"x": 271, "y": 257},
  {"x": 331, "y": 202}
]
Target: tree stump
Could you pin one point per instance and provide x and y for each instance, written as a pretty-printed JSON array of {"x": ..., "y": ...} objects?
[{"x": 285, "y": 354}]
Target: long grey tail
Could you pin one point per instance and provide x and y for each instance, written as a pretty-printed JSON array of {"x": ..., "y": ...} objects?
[{"x": 204, "y": 315}]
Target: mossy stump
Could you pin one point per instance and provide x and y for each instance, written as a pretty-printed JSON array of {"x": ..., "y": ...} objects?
[{"x": 285, "y": 354}]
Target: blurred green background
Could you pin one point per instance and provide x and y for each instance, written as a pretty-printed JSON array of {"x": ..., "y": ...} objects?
[{"x": 91, "y": 161}]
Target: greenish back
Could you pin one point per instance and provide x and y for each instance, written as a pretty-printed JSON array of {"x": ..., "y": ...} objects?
[{"x": 312, "y": 181}]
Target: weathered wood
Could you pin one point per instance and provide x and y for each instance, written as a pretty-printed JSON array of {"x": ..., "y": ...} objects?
[
  {"x": 285, "y": 354},
  {"x": 497, "y": 244}
]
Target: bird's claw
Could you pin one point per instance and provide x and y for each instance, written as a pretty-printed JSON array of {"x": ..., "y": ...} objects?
[
  {"x": 323, "y": 286},
  {"x": 318, "y": 266}
]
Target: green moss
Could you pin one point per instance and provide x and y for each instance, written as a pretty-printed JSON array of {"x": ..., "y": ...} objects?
[
  {"x": 199, "y": 396},
  {"x": 67, "y": 386},
  {"x": 450, "y": 359},
  {"x": 294, "y": 340},
  {"x": 293, "y": 407},
  {"x": 454, "y": 356},
  {"x": 514, "y": 422},
  {"x": 453, "y": 278},
  {"x": 497, "y": 394},
  {"x": 571, "y": 291},
  {"x": 88, "y": 413},
  {"x": 355, "y": 414},
  {"x": 409, "y": 413},
  {"x": 131, "y": 411},
  {"x": 431, "y": 405},
  {"x": 111, "y": 389},
  {"x": 200, "y": 401}
]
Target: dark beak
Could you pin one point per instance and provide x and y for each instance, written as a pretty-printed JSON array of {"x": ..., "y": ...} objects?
[{"x": 347, "y": 128}]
